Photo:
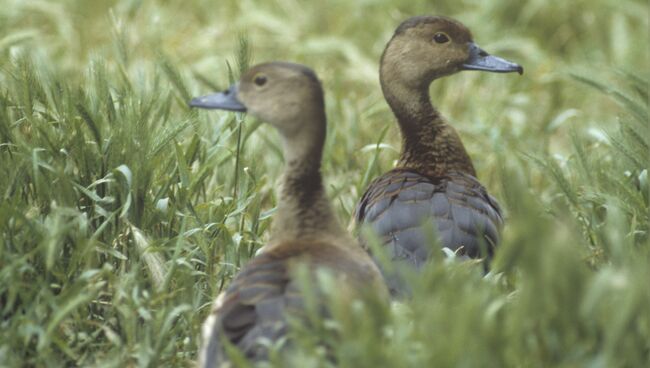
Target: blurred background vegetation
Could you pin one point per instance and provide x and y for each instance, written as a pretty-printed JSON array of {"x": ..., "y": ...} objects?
[{"x": 123, "y": 213}]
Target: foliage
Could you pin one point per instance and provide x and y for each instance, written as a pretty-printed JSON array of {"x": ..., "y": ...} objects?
[{"x": 123, "y": 212}]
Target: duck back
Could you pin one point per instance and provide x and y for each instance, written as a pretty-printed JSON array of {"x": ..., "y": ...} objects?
[
  {"x": 254, "y": 309},
  {"x": 411, "y": 213}
]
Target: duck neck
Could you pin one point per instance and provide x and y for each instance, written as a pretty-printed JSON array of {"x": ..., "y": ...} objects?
[
  {"x": 429, "y": 145},
  {"x": 303, "y": 209}
]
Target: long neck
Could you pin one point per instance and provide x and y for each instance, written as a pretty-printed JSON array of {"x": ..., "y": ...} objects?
[
  {"x": 429, "y": 145},
  {"x": 303, "y": 208}
]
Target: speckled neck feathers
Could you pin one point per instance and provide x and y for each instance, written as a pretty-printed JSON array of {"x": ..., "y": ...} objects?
[
  {"x": 430, "y": 146},
  {"x": 303, "y": 208}
]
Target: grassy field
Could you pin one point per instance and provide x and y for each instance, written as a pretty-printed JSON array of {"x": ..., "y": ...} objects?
[{"x": 123, "y": 212}]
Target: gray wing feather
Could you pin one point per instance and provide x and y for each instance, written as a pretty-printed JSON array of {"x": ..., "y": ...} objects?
[{"x": 403, "y": 207}]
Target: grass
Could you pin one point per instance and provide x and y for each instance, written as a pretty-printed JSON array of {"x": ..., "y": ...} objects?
[{"x": 123, "y": 213}]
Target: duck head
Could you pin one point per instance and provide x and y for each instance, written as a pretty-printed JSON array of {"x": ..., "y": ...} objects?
[
  {"x": 428, "y": 47},
  {"x": 286, "y": 95}
]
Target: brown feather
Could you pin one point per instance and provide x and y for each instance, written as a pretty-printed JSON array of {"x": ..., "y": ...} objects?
[{"x": 434, "y": 182}]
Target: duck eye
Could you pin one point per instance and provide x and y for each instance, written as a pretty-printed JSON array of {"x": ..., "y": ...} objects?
[
  {"x": 259, "y": 80},
  {"x": 441, "y": 38}
]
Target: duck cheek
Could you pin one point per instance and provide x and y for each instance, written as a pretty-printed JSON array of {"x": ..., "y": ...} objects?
[
  {"x": 451, "y": 67},
  {"x": 260, "y": 114},
  {"x": 276, "y": 114},
  {"x": 414, "y": 75},
  {"x": 446, "y": 67}
]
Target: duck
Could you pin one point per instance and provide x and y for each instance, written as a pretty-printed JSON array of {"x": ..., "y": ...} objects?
[
  {"x": 431, "y": 199},
  {"x": 305, "y": 231}
]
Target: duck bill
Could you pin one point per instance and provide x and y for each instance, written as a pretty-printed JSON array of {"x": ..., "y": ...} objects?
[
  {"x": 226, "y": 100},
  {"x": 481, "y": 60}
]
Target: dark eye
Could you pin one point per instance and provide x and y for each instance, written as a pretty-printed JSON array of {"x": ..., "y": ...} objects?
[
  {"x": 259, "y": 80},
  {"x": 441, "y": 38}
]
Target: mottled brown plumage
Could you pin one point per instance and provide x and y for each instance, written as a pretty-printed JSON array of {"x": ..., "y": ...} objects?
[
  {"x": 433, "y": 194},
  {"x": 305, "y": 231}
]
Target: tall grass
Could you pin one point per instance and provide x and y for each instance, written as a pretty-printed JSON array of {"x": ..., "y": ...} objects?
[{"x": 123, "y": 213}]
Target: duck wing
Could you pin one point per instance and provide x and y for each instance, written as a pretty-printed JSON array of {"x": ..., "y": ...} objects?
[
  {"x": 256, "y": 304},
  {"x": 253, "y": 308},
  {"x": 410, "y": 211}
]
